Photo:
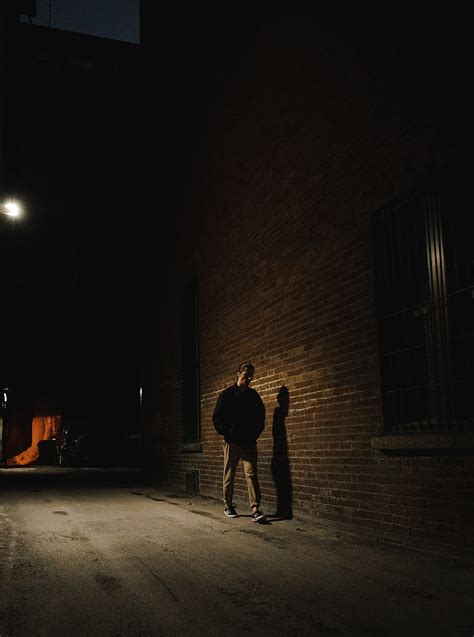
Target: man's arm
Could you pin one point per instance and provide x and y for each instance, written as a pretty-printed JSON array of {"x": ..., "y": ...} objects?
[
  {"x": 218, "y": 415},
  {"x": 260, "y": 415}
]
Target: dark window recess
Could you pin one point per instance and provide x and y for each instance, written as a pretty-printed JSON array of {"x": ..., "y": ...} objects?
[
  {"x": 424, "y": 252},
  {"x": 191, "y": 398}
]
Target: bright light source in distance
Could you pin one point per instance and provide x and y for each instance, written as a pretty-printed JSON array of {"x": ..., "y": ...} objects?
[{"x": 12, "y": 209}]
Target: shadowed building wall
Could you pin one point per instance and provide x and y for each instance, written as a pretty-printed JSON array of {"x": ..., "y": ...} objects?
[{"x": 301, "y": 129}]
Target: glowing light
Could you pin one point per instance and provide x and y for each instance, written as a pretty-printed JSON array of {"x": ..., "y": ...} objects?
[{"x": 12, "y": 209}]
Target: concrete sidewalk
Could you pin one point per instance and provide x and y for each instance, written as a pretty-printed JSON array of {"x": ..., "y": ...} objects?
[{"x": 374, "y": 588}]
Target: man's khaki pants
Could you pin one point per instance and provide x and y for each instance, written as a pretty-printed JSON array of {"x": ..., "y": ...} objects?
[{"x": 232, "y": 454}]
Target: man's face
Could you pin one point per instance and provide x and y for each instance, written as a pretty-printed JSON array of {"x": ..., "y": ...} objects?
[{"x": 245, "y": 377}]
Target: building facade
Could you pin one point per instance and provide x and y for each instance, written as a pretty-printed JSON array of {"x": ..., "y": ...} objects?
[{"x": 318, "y": 224}]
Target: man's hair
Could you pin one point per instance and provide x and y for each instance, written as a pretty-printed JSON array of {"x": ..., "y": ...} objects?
[{"x": 245, "y": 366}]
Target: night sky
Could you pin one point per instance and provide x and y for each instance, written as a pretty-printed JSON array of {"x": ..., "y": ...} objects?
[{"x": 114, "y": 19}]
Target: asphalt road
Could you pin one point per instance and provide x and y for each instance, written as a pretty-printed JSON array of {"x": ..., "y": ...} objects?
[{"x": 85, "y": 552}]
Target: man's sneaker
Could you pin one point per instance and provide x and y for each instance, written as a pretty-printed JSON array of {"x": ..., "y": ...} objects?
[
  {"x": 258, "y": 516},
  {"x": 230, "y": 512}
]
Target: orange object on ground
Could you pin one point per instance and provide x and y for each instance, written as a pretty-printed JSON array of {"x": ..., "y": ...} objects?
[{"x": 42, "y": 428}]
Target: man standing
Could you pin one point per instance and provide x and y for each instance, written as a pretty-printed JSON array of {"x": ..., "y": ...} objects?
[{"x": 239, "y": 416}]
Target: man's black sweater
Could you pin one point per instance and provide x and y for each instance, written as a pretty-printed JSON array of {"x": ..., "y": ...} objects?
[{"x": 239, "y": 415}]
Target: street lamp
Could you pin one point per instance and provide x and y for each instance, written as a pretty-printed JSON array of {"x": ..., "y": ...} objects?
[{"x": 11, "y": 208}]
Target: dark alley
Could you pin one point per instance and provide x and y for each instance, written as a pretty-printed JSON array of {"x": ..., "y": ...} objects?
[{"x": 213, "y": 197}]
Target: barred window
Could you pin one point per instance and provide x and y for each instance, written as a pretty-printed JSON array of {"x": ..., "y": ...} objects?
[
  {"x": 424, "y": 259},
  {"x": 191, "y": 390}
]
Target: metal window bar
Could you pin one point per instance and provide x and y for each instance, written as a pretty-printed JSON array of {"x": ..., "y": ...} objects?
[{"x": 439, "y": 333}]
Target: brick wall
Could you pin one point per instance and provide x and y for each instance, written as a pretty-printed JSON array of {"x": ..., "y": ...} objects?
[{"x": 312, "y": 132}]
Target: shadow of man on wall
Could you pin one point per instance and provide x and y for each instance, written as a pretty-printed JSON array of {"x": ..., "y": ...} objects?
[{"x": 280, "y": 462}]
